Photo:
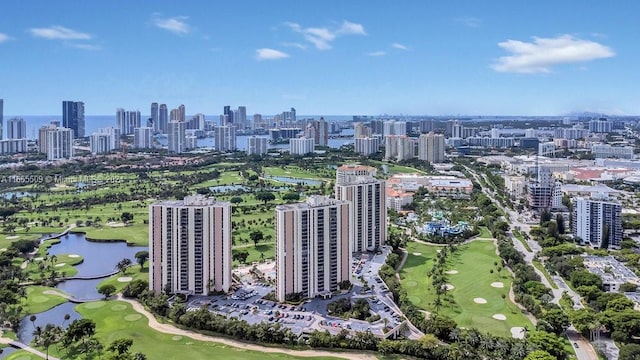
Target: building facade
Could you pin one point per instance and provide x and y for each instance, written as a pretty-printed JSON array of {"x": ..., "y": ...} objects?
[
  {"x": 190, "y": 246},
  {"x": 143, "y": 137},
  {"x": 59, "y": 143},
  {"x": 357, "y": 184},
  {"x": 431, "y": 148},
  {"x": 176, "y": 137},
  {"x": 597, "y": 223},
  {"x": 73, "y": 117},
  {"x": 312, "y": 247},
  {"x": 301, "y": 146},
  {"x": 257, "y": 146},
  {"x": 16, "y": 129},
  {"x": 225, "y": 138}
]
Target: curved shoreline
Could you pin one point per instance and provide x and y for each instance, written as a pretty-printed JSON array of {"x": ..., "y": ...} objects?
[{"x": 172, "y": 330}]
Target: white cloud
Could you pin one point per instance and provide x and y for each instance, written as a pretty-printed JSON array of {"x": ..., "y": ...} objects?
[
  {"x": 543, "y": 53},
  {"x": 377, "y": 53},
  {"x": 399, "y": 46},
  {"x": 176, "y": 25},
  {"x": 470, "y": 21},
  {"x": 296, "y": 45},
  {"x": 56, "y": 32},
  {"x": 4, "y": 38},
  {"x": 270, "y": 54},
  {"x": 322, "y": 37},
  {"x": 89, "y": 47}
]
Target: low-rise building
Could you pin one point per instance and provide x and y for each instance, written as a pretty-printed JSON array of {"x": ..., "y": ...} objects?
[{"x": 612, "y": 272}]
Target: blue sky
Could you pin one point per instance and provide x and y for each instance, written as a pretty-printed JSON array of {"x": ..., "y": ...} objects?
[{"x": 322, "y": 57}]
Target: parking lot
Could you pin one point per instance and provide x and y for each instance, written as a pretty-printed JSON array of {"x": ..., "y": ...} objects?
[{"x": 247, "y": 303}]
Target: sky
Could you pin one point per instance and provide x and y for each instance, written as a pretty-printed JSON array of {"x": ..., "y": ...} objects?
[{"x": 412, "y": 57}]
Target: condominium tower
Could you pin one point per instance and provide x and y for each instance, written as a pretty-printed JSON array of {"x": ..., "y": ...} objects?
[
  {"x": 190, "y": 246},
  {"x": 357, "y": 184},
  {"x": 431, "y": 148},
  {"x": 597, "y": 222},
  {"x": 312, "y": 247},
  {"x": 73, "y": 117}
]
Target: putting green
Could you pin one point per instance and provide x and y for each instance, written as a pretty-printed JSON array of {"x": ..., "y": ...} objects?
[
  {"x": 95, "y": 305},
  {"x": 39, "y": 299},
  {"x": 118, "y": 307},
  {"x": 414, "y": 299},
  {"x": 176, "y": 338},
  {"x": 411, "y": 283},
  {"x": 133, "y": 317}
]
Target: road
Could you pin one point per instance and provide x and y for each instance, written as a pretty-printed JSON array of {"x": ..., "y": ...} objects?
[{"x": 584, "y": 349}]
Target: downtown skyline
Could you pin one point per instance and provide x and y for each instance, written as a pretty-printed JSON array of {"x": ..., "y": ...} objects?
[{"x": 500, "y": 58}]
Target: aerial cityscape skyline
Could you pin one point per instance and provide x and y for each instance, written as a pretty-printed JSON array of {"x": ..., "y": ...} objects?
[{"x": 353, "y": 58}]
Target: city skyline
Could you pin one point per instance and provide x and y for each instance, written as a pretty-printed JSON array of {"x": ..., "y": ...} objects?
[{"x": 500, "y": 58}]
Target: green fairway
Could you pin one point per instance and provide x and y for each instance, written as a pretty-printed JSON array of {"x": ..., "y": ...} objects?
[
  {"x": 116, "y": 320},
  {"x": 121, "y": 280},
  {"x": 484, "y": 233},
  {"x": 37, "y": 301},
  {"x": 473, "y": 301}
]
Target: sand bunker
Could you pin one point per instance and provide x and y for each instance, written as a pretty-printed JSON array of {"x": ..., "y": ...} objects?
[
  {"x": 60, "y": 265},
  {"x": 12, "y": 237},
  {"x": 451, "y": 272},
  {"x": 74, "y": 256},
  {"x": 38, "y": 259},
  {"x": 499, "y": 317},
  {"x": 3, "y": 249},
  {"x": 517, "y": 332},
  {"x": 449, "y": 287},
  {"x": 417, "y": 254},
  {"x": 124, "y": 279},
  {"x": 497, "y": 284},
  {"x": 479, "y": 301}
]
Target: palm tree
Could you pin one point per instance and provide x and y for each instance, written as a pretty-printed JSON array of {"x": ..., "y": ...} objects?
[{"x": 33, "y": 318}]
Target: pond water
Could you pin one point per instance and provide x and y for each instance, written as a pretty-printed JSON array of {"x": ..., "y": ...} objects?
[
  {"x": 225, "y": 188},
  {"x": 290, "y": 180},
  {"x": 17, "y": 194},
  {"x": 99, "y": 258}
]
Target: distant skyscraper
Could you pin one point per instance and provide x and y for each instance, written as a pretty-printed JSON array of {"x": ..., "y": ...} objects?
[
  {"x": 225, "y": 138},
  {"x": 312, "y": 247},
  {"x": 242, "y": 116},
  {"x": 176, "y": 136},
  {"x": 181, "y": 113},
  {"x": 16, "y": 128},
  {"x": 257, "y": 146},
  {"x": 366, "y": 145},
  {"x": 163, "y": 119},
  {"x": 301, "y": 146},
  {"x": 398, "y": 147},
  {"x": 42, "y": 135},
  {"x": 257, "y": 121},
  {"x": 155, "y": 117},
  {"x": 126, "y": 121},
  {"x": 318, "y": 131},
  {"x": 143, "y": 137},
  {"x": 229, "y": 113},
  {"x": 289, "y": 117},
  {"x": 431, "y": 148},
  {"x": 190, "y": 246},
  {"x": 1, "y": 117},
  {"x": 100, "y": 143},
  {"x": 73, "y": 117},
  {"x": 357, "y": 184},
  {"x": 59, "y": 143}
]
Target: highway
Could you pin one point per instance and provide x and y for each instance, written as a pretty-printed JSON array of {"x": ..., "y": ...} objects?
[{"x": 584, "y": 349}]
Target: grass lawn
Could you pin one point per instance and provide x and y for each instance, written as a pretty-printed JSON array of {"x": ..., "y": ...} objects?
[
  {"x": 116, "y": 320},
  {"x": 473, "y": 280},
  {"x": 36, "y": 301},
  {"x": 134, "y": 272},
  {"x": 484, "y": 233},
  {"x": 299, "y": 173},
  {"x": 135, "y": 234},
  {"x": 544, "y": 272}
]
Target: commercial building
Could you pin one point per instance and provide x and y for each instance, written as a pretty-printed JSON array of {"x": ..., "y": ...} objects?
[
  {"x": 608, "y": 151},
  {"x": 431, "y": 148},
  {"x": 357, "y": 184},
  {"x": 257, "y": 146},
  {"x": 612, "y": 272},
  {"x": 597, "y": 222},
  {"x": 176, "y": 137},
  {"x": 312, "y": 247},
  {"x": 73, "y": 117},
  {"x": 190, "y": 246},
  {"x": 225, "y": 138},
  {"x": 16, "y": 129},
  {"x": 143, "y": 137},
  {"x": 301, "y": 146}
]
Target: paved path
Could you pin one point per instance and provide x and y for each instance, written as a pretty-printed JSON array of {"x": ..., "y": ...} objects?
[
  {"x": 28, "y": 348},
  {"x": 170, "y": 329}
]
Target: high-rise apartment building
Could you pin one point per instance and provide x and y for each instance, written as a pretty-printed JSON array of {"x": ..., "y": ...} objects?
[
  {"x": 301, "y": 146},
  {"x": 59, "y": 143},
  {"x": 225, "y": 138},
  {"x": 127, "y": 121},
  {"x": 398, "y": 147},
  {"x": 318, "y": 131},
  {"x": 143, "y": 137},
  {"x": 73, "y": 117},
  {"x": 190, "y": 246},
  {"x": 431, "y": 148},
  {"x": 366, "y": 145},
  {"x": 155, "y": 117},
  {"x": 257, "y": 145},
  {"x": 357, "y": 184},
  {"x": 597, "y": 222},
  {"x": 42, "y": 135},
  {"x": 16, "y": 128},
  {"x": 163, "y": 119},
  {"x": 312, "y": 247},
  {"x": 241, "y": 117},
  {"x": 229, "y": 115},
  {"x": 100, "y": 143},
  {"x": 361, "y": 130},
  {"x": 544, "y": 192},
  {"x": 1, "y": 117},
  {"x": 176, "y": 136}
]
